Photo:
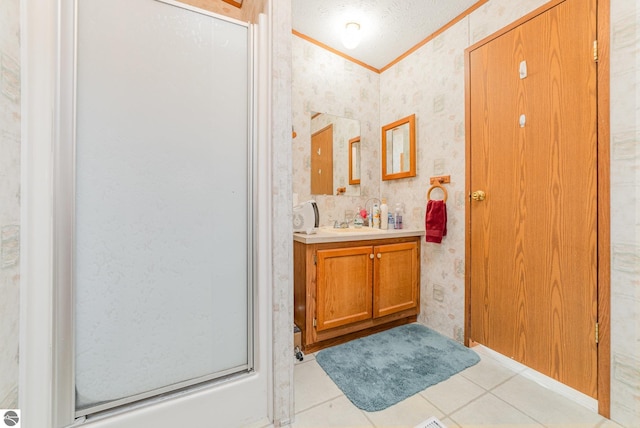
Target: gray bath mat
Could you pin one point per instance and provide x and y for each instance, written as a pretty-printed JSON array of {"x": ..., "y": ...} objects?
[{"x": 380, "y": 370}]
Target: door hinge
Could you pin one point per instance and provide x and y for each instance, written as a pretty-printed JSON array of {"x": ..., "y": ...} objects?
[
  {"x": 315, "y": 322},
  {"x": 595, "y": 51},
  {"x": 315, "y": 259},
  {"x": 597, "y": 332}
]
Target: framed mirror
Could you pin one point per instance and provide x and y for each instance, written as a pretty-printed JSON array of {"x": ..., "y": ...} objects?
[
  {"x": 399, "y": 149},
  {"x": 354, "y": 160},
  {"x": 334, "y": 156}
]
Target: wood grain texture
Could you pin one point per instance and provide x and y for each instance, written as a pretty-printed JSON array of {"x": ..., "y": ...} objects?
[
  {"x": 604, "y": 208},
  {"x": 248, "y": 12},
  {"x": 334, "y": 51},
  {"x": 344, "y": 286},
  {"x": 308, "y": 296},
  {"x": 351, "y": 334},
  {"x": 301, "y": 276},
  {"x": 409, "y": 121},
  {"x": 395, "y": 273},
  {"x": 322, "y": 161},
  {"x": 533, "y": 241},
  {"x": 354, "y": 170}
]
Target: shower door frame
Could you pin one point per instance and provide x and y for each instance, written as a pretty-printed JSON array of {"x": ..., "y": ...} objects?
[{"x": 64, "y": 407}]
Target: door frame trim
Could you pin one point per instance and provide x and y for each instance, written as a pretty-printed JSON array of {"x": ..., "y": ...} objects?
[{"x": 603, "y": 189}]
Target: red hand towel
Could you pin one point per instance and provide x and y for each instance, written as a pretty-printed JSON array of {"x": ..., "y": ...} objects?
[{"x": 435, "y": 221}]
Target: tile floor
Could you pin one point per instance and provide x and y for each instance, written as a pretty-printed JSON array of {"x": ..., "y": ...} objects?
[{"x": 488, "y": 394}]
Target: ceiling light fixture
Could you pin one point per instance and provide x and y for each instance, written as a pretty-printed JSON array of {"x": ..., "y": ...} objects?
[{"x": 351, "y": 35}]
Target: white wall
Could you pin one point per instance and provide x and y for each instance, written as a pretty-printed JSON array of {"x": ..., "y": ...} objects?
[{"x": 9, "y": 200}]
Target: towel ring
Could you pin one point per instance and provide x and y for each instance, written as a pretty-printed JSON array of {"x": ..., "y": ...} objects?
[{"x": 444, "y": 191}]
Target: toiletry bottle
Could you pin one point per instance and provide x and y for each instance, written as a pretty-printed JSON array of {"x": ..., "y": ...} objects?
[
  {"x": 384, "y": 215},
  {"x": 358, "y": 221},
  {"x": 376, "y": 216},
  {"x": 392, "y": 222},
  {"x": 398, "y": 222}
]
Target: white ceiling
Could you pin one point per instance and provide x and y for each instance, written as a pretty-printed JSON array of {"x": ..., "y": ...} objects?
[{"x": 389, "y": 27}]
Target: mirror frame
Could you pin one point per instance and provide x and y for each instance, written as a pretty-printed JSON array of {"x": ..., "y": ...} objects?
[
  {"x": 353, "y": 180},
  {"x": 411, "y": 122}
]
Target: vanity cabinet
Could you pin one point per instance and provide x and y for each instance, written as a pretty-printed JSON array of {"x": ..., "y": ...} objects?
[{"x": 343, "y": 290}]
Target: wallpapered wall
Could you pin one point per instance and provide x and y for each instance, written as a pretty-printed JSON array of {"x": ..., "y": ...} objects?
[
  {"x": 430, "y": 83},
  {"x": 9, "y": 200},
  {"x": 625, "y": 212},
  {"x": 326, "y": 83}
]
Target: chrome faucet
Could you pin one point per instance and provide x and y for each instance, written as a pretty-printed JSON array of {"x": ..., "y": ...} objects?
[{"x": 344, "y": 224}]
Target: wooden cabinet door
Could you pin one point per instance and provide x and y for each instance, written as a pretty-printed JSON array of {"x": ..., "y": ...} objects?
[
  {"x": 395, "y": 278},
  {"x": 344, "y": 288}
]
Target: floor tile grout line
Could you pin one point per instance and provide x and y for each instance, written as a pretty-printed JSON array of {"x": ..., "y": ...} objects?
[
  {"x": 491, "y": 388},
  {"x": 430, "y": 403},
  {"x": 320, "y": 403},
  {"x": 303, "y": 362},
  {"x": 518, "y": 409},
  {"x": 367, "y": 418},
  {"x": 491, "y": 391},
  {"x": 511, "y": 405},
  {"x": 503, "y": 382},
  {"x": 521, "y": 374},
  {"x": 445, "y": 414},
  {"x": 449, "y": 415}
]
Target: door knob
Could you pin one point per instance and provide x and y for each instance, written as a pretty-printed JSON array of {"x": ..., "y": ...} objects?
[{"x": 478, "y": 195}]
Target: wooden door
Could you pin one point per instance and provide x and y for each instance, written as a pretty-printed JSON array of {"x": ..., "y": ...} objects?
[
  {"x": 344, "y": 289},
  {"x": 395, "y": 278},
  {"x": 322, "y": 162},
  {"x": 533, "y": 151}
]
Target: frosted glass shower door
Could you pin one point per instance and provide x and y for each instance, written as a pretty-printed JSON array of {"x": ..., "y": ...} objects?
[{"x": 163, "y": 254}]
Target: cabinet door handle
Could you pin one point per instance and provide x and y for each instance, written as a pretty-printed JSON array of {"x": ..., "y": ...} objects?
[
  {"x": 379, "y": 255},
  {"x": 371, "y": 256}
]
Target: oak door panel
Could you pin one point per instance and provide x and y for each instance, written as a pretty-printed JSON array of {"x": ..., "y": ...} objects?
[{"x": 533, "y": 239}]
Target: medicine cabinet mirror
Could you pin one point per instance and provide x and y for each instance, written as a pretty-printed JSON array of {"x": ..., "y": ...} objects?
[
  {"x": 399, "y": 149},
  {"x": 335, "y": 155}
]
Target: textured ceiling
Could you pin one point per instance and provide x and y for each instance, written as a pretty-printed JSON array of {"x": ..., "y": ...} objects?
[{"x": 389, "y": 27}]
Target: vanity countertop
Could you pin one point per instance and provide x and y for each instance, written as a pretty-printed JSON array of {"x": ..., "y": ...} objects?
[{"x": 329, "y": 234}]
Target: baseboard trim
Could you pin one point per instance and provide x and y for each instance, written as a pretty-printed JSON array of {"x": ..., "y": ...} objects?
[{"x": 539, "y": 378}]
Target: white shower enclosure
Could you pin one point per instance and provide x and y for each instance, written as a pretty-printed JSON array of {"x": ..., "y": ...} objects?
[{"x": 160, "y": 191}]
